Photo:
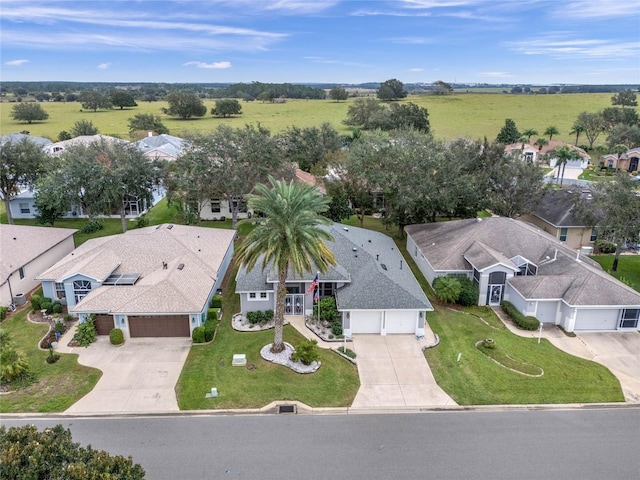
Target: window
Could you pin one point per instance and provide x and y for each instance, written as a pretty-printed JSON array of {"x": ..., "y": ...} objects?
[
  {"x": 476, "y": 276},
  {"x": 264, "y": 296},
  {"x": 215, "y": 205},
  {"x": 241, "y": 205},
  {"x": 60, "y": 294},
  {"x": 594, "y": 234},
  {"x": 21, "y": 272},
  {"x": 563, "y": 234},
  {"x": 528, "y": 157},
  {"x": 80, "y": 289},
  {"x": 610, "y": 164},
  {"x": 629, "y": 318},
  {"x": 24, "y": 207},
  {"x": 252, "y": 295},
  {"x": 326, "y": 289}
]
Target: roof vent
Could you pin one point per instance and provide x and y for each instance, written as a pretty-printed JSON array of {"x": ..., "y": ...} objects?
[
  {"x": 169, "y": 227},
  {"x": 164, "y": 265},
  {"x": 377, "y": 257},
  {"x": 354, "y": 249},
  {"x": 478, "y": 219},
  {"x": 181, "y": 266},
  {"x": 384, "y": 267},
  {"x": 159, "y": 226},
  {"x": 346, "y": 229}
]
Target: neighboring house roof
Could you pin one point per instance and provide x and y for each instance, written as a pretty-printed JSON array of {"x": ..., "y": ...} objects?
[
  {"x": 199, "y": 250},
  {"x": 81, "y": 140},
  {"x": 630, "y": 153},
  {"x": 20, "y": 244},
  {"x": 309, "y": 179},
  {"x": 562, "y": 272},
  {"x": 557, "y": 207},
  {"x": 18, "y": 137},
  {"x": 162, "y": 146},
  {"x": 375, "y": 274},
  {"x": 553, "y": 144}
]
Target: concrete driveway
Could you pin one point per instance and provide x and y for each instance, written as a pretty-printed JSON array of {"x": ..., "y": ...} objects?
[
  {"x": 394, "y": 373},
  {"x": 137, "y": 377}
]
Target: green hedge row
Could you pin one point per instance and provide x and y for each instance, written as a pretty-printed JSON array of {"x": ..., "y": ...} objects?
[{"x": 522, "y": 321}]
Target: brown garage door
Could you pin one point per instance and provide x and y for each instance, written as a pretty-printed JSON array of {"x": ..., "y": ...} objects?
[
  {"x": 103, "y": 324},
  {"x": 159, "y": 326}
]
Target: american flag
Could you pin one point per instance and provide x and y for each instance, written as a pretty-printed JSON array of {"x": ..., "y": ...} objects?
[{"x": 314, "y": 284}]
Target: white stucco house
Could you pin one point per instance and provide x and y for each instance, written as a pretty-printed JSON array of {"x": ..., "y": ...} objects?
[
  {"x": 150, "y": 282},
  {"x": 26, "y": 252},
  {"x": 515, "y": 261},
  {"x": 534, "y": 154},
  {"x": 374, "y": 288}
]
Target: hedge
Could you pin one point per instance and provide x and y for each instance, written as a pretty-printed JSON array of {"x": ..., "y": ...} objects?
[
  {"x": 212, "y": 314},
  {"x": 116, "y": 337},
  {"x": 198, "y": 335},
  {"x": 522, "y": 321},
  {"x": 209, "y": 330},
  {"x": 216, "y": 301}
]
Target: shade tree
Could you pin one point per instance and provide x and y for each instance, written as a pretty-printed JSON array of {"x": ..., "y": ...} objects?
[
  {"x": 392, "y": 89},
  {"x": 509, "y": 133},
  {"x": 83, "y": 127},
  {"x": 184, "y": 105},
  {"x": 28, "y": 112},
  {"x": 93, "y": 100},
  {"x": 593, "y": 125},
  {"x": 338, "y": 94},
  {"x": 147, "y": 122},
  {"x": 225, "y": 107},
  {"x": 122, "y": 99},
  {"x": 625, "y": 98}
]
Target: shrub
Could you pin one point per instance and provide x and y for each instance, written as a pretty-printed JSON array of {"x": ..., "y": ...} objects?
[
  {"x": 212, "y": 314},
  {"x": 56, "y": 307},
  {"x": 59, "y": 327},
  {"x": 198, "y": 335},
  {"x": 216, "y": 301},
  {"x": 68, "y": 317},
  {"x": 523, "y": 322},
  {"x": 447, "y": 289},
  {"x": 46, "y": 305},
  {"x": 328, "y": 309},
  {"x": 143, "y": 221},
  {"x": 3, "y": 313},
  {"x": 91, "y": 227},
  {"x": 36, "y": 301},
  {"x": 13, "y": 364},
  {"x": 306, "y": 352},
  {"x": 268, "y": 315},
  {"x": 336, "y": 328},
  {"x": 604, "y": 246},
  {"x": 469, "y": 293},
  {"x": 116, "y": 337},
  {"x": 348, "y": 352},
  {"x": 86, "y": 332},
  {"x": 209, "y": 330}
]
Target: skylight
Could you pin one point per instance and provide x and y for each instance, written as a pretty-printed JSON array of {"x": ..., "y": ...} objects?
[{"x": 120, "y": 279}]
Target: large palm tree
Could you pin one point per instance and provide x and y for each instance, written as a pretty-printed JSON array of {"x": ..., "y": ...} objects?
[
  {"x": 577, "y": 130},
  {"x": 551, "y": 131},
  {"x": 529, "y": 132},
  {"x": 563, "y": 155},
  {"x": 290, "y": 237}
]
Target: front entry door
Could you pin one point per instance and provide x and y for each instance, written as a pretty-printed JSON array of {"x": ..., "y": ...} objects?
[
  {"x": 495, "y": 294},
  {"x": 294, "y": 304}
]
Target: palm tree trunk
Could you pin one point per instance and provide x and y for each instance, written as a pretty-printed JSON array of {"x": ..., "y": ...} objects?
[{"x": 281, "y": 293}]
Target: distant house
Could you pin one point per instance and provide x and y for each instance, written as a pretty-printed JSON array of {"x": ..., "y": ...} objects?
[
  {"x": 26, "y": 252},
  {"x": 556, "y": 215},
  {"x": 512, "y": 260},
  {"x": 161, "y": 147},
  {"x": 58, "y": 147},
  {"x": 150, "y": 282},
  {"x": 629, "y": 161},
  {"x": 374, "y": 288},
  {"x": 534, "y": 154},
  {"x": 18, "y": 137}
]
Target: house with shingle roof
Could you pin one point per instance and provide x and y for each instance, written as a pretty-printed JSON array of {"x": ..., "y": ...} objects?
[
  {"x": 150, "y": 282},
  {"x": 26, "y": 252},
  {"x": 629, "y": 161},
  {"x": 518, "y": 262},
  {"x": 19, "y": 137},
  {"x": 374, "y": 288},
  {"x": 161, "y": 147},
  {"x": 534, "y": 154}
]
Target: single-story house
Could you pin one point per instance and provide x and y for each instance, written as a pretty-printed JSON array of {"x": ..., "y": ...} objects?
[
  {"x": 161, "y": 147},
  {"x": 58, "y": 147},
  {"x": 629, "y": 161},
  {"x": 150, "y": 282},
  {"x": 534, "y": 154},
  {"x": 26, "y": 252},
  {"x": 19, "y": 137},
  {"x": 374, "y": 288},
  {"x": 556, "y": 215},
  {"x": 512, "y": 260}
]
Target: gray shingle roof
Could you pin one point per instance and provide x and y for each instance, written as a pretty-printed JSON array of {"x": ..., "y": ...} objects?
[
  {"x": 18, "y": 137},
  {"x": 445, "y": 243},
  {"x": 368, "y": 285},
  {"x": 556, "y": 207}
]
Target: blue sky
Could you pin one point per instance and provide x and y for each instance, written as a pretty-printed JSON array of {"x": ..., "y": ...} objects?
[{"x": 349, "y": 41}]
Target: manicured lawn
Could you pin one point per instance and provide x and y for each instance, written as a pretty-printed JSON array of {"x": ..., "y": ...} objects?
[
  {"x": 597, "y": 176},
  {"x": 335, "y": 384},
  {"x": 477, "y": 380},
  {"x": 628, "y": 268},
  {"x": 57, "y": 386}
]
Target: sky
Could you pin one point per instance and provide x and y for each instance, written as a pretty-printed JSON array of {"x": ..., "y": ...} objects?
[{"x": 538, "y": 42}]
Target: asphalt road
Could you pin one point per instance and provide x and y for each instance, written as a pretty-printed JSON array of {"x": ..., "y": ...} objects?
[{"x": 513, "y": 445}]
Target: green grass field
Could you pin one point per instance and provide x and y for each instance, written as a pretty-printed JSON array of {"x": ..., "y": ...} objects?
[
  {"x": 628, "y": 268},
  {"x": 472, "y": 115}
]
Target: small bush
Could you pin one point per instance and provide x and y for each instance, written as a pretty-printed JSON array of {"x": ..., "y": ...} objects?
[
  {"x": 523, "y": 322},
  {"x": 216, "y": 301},
  {"x": 56, "y": 307},
  {"x": 348, "y": 352},
  {"x": 198, "y": 335},
  {"x": 91, "y": 227},
  {"x": 209, "y": 330},
  {"x": 336, "y": 329},
  {"x": 268, "y": 315},
  {"x": 116, "y": 337},
  {"x": 36, "y": 301},
  {"x": 68, "y": 317},
  {"x": 328, "y": 309},
  {"x": 306, "y": 352},
  {"x": 212, "y": 314},
  {"x": 3, "y": 313},
  {"x": 469, "y": 293},
  {"x": 59, "y": 327},
  {"x": 604, "y": 246},
  {"x": 447, "y": 289},
  {"x": 46, "y": 305},
  {"x": 86, "y": 332},
  {"x": 143, "y": 221}
]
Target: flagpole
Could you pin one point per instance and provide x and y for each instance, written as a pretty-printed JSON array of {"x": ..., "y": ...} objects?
[{"x": 318, "y": 287}]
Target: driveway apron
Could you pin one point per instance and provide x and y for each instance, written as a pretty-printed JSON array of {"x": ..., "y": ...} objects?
[
  {"x": 394, "y": 373},
  {"x": 139, "y": 376}
]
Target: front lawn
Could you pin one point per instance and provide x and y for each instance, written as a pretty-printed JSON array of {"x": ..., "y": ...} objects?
[
  {"x": 56, "y": 386},
  {"x": 628, "y": 268},
  {"x": 335, "y": 384},
  {"x": 477, "y": 380}
]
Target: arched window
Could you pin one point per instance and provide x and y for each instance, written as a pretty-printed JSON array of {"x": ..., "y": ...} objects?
[{"x": 80, "y": 289}]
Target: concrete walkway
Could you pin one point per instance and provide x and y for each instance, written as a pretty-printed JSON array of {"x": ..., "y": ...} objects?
[
  {"x": 618, "y": 351},
  {"x": 139, "y": 376}
]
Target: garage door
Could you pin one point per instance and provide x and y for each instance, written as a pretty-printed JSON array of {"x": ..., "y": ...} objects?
[
  {"x": 365, "y": 322},
  {"x": 159, "y": 326},
  {"x": 104, "y": 324},
  {"x": 400, "y": 322},
  {"x": 596, "y": 319},
  {"x": 546, "y": 312}
]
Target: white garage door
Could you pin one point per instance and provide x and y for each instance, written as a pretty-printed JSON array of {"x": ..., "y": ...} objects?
[
  {"x": 597, "y": 319},
  {"x": 400, "y": 322},
  {"x": 546, "y": 312},
  {"x": 365, "y": 322}
]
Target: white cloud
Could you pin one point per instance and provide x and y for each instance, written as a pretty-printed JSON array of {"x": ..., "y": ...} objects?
[
  {"x": 598, "y": 9},
  {"x": 412, "y": 40},
  {"x": 559, "y": 46},
  {"x": 495, "y": 74},
  {"x": 215, "y": 65},
  {"x": 416, "y": 69},
  {"x": 103, "y": 66},
  {"x": 16, "y": 63}
]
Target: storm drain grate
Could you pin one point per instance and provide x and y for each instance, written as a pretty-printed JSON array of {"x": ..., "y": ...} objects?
[{"x": 286, "y": 409}]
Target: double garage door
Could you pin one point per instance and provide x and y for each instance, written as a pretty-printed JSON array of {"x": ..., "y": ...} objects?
[
  {"x": 148, "y": 325},
  {"x": 371, "y": 322}
]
